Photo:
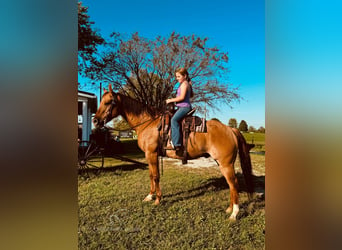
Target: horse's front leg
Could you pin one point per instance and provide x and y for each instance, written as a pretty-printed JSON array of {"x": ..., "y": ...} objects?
[{"x": 152, "y": 159}]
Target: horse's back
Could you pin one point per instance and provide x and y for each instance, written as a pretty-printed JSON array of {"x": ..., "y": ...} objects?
[
  {"x": 219, "y": 141},
  {"x": 221, "y": 134}
]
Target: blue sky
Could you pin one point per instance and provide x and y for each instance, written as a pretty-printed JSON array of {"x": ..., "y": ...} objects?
[{"x": 236, "y": 27}]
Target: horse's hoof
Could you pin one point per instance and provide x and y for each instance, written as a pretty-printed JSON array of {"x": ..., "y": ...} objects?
[
  {"x": 229, "y": 210},
  {"x": 234, "y": 213},
  {"x": 232, "y": 219},
  {"x": 148, "y": 198},
  {"x": 156, "y": 203}
]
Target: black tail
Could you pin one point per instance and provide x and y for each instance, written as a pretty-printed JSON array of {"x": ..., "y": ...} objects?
[{"x": 245, "y": 160}]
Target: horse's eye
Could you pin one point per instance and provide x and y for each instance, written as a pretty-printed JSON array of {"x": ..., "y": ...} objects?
[{"x": 108, "y": 102}]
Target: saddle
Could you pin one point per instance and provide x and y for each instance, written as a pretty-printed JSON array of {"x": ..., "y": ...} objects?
[{"x": 189, "y": 124}]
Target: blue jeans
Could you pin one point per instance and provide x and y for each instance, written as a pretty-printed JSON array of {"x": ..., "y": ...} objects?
[{"x": 176, "y": 136}]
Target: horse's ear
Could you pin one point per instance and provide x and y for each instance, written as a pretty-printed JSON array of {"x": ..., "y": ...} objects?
[
  {"x": 104, "y": 91},
  {"x": 110, "y": 88}
]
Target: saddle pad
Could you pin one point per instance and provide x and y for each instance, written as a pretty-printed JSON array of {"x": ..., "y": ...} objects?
[
  {"x": 202, "y": 127},
  {"x": 196, "y": 124}
]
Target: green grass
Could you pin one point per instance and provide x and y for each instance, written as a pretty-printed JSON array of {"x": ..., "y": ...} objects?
[
  {"x": 257, "y": 138},
  {"x": 191, "y": 214}
]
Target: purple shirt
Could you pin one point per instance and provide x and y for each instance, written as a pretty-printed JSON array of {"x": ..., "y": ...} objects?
[{"x": 186, "y": 101}]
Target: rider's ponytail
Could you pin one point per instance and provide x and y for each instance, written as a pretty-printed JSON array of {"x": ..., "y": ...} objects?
[
  {"x": 184, "y": 72},
  {"x": 191, "y": 89}
]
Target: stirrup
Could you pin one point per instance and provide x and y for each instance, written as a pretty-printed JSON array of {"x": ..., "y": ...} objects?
[{"x": 171, "y": 147}]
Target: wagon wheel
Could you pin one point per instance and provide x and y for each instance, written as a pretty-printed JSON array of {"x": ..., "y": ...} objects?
[{"x": 90, "y": 156}]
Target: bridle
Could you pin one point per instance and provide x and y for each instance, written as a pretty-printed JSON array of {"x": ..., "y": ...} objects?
[{"x": 110, "y": 109}]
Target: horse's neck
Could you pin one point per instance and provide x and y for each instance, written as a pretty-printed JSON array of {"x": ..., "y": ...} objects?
[{"x": 136, "y": 120}]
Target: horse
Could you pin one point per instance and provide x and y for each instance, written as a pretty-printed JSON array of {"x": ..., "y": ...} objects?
[{"x": 221, "y": 142}]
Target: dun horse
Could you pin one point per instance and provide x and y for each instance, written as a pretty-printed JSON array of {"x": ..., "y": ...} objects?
[{"x": 221, "y": 142}]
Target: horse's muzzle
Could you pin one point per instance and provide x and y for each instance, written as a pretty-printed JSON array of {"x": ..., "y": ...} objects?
[{"x": 97, "y": 123}]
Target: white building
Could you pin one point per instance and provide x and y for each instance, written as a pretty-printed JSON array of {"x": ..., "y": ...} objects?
[{"x": 87, "y": 106}]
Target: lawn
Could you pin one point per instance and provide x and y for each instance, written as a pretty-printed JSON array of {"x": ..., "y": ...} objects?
[
  {"x": 191, "y": 214},
  {"x": 256, "y": 138}
]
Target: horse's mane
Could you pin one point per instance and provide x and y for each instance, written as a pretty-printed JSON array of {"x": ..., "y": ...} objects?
[{"x": 135, "y": 107}]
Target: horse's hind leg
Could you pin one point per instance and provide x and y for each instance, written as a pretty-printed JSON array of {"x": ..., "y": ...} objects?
[
  {"x": 227, "y": 169},
  {"x": 154, "y": 177}
]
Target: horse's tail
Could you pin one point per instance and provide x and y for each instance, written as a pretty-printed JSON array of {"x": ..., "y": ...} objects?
[{"x": 245, "y": 161}]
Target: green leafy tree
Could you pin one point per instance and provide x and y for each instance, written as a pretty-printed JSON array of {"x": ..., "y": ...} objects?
[
  {"x": 243, "y": 126},
  {"x": 88, "y": 38},
  {"x": 145, "y": 69},
  {"x": 251, "y": 129},
  {"x": 261, "y": 129},
  {"x": 232, "y": 123}
]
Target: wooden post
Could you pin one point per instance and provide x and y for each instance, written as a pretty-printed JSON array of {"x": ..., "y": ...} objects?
[{"x": 100, "y": 91}]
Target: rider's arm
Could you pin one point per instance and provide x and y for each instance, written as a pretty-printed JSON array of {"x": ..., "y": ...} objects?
[{"x": 182, "y": 95}]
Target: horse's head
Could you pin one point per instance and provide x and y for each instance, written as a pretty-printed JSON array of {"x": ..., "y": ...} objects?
[{"x": 108, "y": 108}]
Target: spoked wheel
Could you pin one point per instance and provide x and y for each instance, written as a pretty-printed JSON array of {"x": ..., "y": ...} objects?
[{"x": 90, "y": 157}]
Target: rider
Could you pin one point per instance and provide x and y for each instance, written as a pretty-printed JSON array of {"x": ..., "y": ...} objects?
[{"x": 184, "y": 92}]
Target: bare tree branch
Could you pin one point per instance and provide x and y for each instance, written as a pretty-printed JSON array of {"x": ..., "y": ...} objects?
[{"x": 145, "y": 69}]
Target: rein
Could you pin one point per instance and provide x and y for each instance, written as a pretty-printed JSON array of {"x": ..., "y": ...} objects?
[{"x": 149, "y": 120}]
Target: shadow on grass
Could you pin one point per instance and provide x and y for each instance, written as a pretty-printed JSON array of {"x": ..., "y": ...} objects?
[
  {"x": 214, "y": 185},
  {"x": 112, "y": 169}
]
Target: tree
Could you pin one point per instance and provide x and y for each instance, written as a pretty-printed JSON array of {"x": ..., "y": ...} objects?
[
  {"x": 251, "y": 129},
  {"x": 232, "y": 123},
  {"x": 261, "y": 130},
  {"x": 243, "y": 126},
  {"x": 122, "y": 125},
  {"x": 145, "y": 69},
  {"x": 88, "y": 38}
]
